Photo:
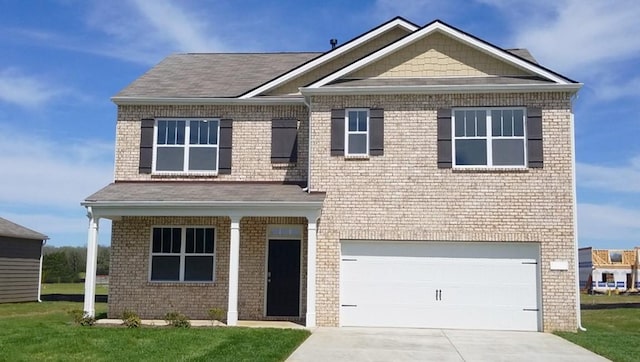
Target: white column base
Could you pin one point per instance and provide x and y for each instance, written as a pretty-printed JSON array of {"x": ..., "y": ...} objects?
[
  {"x": 232, "y": 318},
  {"x": 311, "y": 320}
]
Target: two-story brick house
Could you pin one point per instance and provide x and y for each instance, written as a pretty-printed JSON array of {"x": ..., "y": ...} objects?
[{"x": 412, "y": 177}]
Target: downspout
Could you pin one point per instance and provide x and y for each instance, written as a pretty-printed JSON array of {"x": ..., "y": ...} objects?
[
  {"x": 307, "y": 102},
  {"x": 44, "y": 242},
  {"x": 575, "y": 222}
]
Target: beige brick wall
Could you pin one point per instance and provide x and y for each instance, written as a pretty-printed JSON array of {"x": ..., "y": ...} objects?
[
  {"x": 372, "y": 45},
  {"x": 131, "y": 289},
  {"x": 437, "y": 55},
  {"x": 404, "y": 196},
  {"x": 399, "y": 196},
  {"x": 251, "y": 149}
]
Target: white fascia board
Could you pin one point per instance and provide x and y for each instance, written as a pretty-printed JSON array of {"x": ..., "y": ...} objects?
[
  {"x": 443, "y": 89},
  {"x": 486, "y": 48},
  {"x": 123, "y": 101},
  {"x": 111, "y": 210},
  {"x": 328, "y": 56}
]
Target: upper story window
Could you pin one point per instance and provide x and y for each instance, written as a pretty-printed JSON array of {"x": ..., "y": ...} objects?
[
  {"x": 489, "y": 137},
  {"x": 357, "y": 135},
  {"x": 182, "y": 254},
  {"x": 186, "y": 146}
]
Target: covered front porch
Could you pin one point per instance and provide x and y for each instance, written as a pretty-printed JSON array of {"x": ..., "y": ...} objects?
[{"x": 262, "y": 244}]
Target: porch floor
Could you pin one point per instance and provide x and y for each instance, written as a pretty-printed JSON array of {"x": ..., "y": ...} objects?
[{"x": 208, "y": 323}]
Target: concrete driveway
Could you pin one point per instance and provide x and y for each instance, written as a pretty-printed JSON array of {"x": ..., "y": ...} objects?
[{"x": 396, "y": 344}]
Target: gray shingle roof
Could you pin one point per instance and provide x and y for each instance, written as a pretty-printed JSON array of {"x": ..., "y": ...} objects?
[
  {"x": 524, "y": 54},
  {"x": 8, "y": 228},
  {"x": 212, "y": 75},
  {"x": 222, "y": 74},
  {"x": 189, "y": 191}
]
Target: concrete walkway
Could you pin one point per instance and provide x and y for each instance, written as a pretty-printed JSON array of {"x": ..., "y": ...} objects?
[{"x": 396, "y": 344}]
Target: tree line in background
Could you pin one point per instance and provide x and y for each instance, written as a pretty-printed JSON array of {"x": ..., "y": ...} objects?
[{"x": 67, "y": 264}]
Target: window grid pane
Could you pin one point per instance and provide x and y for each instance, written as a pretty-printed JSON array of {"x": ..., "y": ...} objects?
[
  {"x": 171, "y": 135},
  {"x": 506, "y": 145},
  {"x": 194, "y": 263}
]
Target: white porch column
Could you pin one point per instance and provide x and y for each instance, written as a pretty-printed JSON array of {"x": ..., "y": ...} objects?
[
  {"x": 311, "y": 273},
  {"x": 234, "y": 266},
  {"x": 92, "y": 261}
]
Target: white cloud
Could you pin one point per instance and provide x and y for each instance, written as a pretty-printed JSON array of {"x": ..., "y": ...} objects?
[
  {"x": 25, "y": 90},
  {"x": 40, "y": 171},
  {"x": 145, "y": 31},
  {"x": 610, "y": 178},
  {"x": 609, "y": 223},
  {"x": 581, "y": 33}
]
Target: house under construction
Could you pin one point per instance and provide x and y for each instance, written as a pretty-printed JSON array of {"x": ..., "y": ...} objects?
[{"x": 602, "y": 270}]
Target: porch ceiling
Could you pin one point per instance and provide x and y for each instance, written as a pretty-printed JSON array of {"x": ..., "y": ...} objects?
[{"x": 175, "y": 198}]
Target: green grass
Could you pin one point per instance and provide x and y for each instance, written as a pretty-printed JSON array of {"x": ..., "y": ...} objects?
[
  {"x": 71, "y": 288},
  {"x": 43, "y": 331},
  {"x": 613, "y": 333},
  {"x": 608, "y": 299}
]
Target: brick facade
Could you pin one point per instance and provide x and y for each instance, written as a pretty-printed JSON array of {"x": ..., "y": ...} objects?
[
  {"x": 251, "y": 152},
  {"x": 130, "y": 288},
  {"x": 404, "y": 196}
]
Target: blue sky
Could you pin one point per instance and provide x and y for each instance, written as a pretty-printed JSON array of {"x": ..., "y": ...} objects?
[{"x": 62, "y": 60}]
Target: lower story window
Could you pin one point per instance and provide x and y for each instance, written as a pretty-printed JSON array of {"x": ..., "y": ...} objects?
[{"x": 183, "y": 254}]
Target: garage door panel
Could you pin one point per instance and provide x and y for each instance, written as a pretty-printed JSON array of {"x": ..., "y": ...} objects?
[{"x": 391, "y": 284}]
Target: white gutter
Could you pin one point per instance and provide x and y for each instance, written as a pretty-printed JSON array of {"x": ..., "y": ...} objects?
[
  {"x": 44, "y": 242},
  {"x": 575, "y": 223},
  {"x": 442, "y": 89},
  {"x": 224, "y": 204},
  {"x": 123, "y": 101}
]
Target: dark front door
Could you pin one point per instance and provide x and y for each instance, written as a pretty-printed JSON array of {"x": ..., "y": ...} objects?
[{"x": 283, "y": 278}]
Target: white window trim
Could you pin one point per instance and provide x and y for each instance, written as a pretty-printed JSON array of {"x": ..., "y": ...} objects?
[
  {"x": 347, "y": 132},
  {"x": 186, "y": 147},
  {"x": 183, "y": 254},
  {"x": 488, "y": 138}
]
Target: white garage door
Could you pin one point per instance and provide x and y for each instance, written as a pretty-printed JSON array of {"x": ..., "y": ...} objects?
[{"x": 440, "y": 285}]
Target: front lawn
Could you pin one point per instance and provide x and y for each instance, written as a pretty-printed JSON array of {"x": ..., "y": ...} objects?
[
  {"x": 43, "y": 331},
  {"x": 613, "y": 333},
  {"x": 71, "y": 288},
  {"x": 588, "y": 299}
]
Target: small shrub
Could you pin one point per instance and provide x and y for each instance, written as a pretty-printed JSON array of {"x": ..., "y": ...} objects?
[
  {"x": 177, "y": 320},
  {"x": 80, "y": 318},
  {"x": 216, "y": 314},
  {"x": 131, "y": 319}
]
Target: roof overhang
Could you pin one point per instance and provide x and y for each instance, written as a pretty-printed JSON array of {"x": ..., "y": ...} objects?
[
  {"x": 114, "y": 210},
  {"x": 192, "y": 198},
  {"x": 443, "y": 89},
  {"x": 123, "y": 101}
]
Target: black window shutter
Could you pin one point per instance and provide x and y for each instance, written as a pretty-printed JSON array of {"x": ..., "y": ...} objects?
[
  {"x": 146, "y": 145},
  {"x": 224, "y": 147},
  {"x": 376, "y": 132},
  {"x": 534, "y": 137},
  {"x": 337, "y": 132},
  {"x": 284, "y": 140},
  {"x": 444, "y": 138}
]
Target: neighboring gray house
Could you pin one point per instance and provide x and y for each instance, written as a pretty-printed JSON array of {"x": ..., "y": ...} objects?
[{"x": 20, "y": 262}]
